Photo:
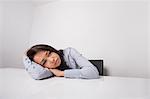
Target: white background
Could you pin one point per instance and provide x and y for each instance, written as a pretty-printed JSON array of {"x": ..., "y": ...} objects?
[
  {"x": 149, "y": 40},
  {"x": 115, "y": 31},
  {"x": 1, "y": 24}
]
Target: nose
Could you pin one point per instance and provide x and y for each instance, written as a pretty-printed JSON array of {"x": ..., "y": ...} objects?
[{"x": 51, "y": 59}]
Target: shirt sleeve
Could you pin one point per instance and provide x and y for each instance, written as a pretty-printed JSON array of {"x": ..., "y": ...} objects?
[{"x": 87, "y": 69}]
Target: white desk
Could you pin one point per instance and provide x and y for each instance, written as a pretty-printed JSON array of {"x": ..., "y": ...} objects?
[{"x": 17, "y": 84}]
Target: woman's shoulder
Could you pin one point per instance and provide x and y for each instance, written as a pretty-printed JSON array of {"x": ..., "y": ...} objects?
[{"x": 69, "y": 50}]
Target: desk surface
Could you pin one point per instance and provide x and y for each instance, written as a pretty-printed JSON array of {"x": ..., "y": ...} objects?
[{"x": 17, "y": 84}]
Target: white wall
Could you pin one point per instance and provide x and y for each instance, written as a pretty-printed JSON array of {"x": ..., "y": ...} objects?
[
  {"x": 113, "y": 31},
  {"x": 1, "y": 24},
  {"x": 15, "y": 38},
  {"x": 149, "y": 38}
]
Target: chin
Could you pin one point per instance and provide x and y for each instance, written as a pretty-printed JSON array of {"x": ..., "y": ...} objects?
[{"x": 57, "y": 66}]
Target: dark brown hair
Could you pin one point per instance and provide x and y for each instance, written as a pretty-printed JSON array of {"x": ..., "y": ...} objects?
[{"x": 43, "y": 47}]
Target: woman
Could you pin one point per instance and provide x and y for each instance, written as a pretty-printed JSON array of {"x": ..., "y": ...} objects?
[{"x": 61, "y": 63}]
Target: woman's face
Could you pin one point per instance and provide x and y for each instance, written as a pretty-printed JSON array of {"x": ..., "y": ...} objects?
[{"x": 47, "y": 59}]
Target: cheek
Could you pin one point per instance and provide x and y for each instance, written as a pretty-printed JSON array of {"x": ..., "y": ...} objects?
[{"x": 48, "y": 65}]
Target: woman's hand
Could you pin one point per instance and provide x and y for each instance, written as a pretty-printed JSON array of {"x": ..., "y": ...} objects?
[{"x": 57, "y": 72}]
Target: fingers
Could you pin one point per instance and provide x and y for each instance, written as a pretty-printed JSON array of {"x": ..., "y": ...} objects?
[{"x": 52, "y": 70}]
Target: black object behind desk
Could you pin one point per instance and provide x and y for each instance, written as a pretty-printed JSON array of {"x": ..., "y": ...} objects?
[{"x": 99, "y": 65}]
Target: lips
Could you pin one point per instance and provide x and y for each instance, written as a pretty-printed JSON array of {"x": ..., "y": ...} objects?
[{"x": 56, "y": 61}]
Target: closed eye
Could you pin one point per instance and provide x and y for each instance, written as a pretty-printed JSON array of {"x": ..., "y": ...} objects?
[
  {"x": 47, "y": 54},
  {"x": 43, "y": 62}
]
